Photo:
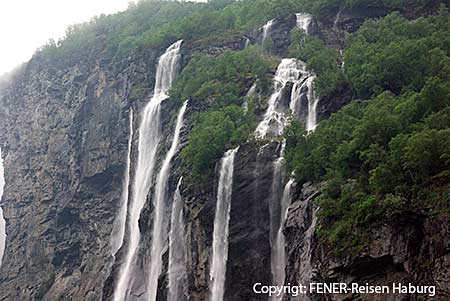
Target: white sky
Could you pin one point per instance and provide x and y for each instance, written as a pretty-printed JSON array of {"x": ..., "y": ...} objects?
[{"x": 26, "y": 25}]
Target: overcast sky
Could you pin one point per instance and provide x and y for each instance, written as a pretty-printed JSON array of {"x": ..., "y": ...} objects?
[{"x": 26, "y": 25}]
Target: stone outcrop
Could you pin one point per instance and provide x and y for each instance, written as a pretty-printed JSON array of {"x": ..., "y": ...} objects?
[
  {"x": 64, "y": 140},
  {"x": 64, "y": 136},
  {"x": 407, "y": 249}
]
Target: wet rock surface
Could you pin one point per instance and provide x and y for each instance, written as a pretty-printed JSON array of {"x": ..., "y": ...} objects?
[
  {"x": 64, "y": 140},
  {"x": 409, "y": 249}
]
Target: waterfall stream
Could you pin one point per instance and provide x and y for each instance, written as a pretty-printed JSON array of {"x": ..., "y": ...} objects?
[
  {"x": 118, "y": 232},
  {"x": 274, "y": 208},
  {"x": 275, "y": 120},
  {"x": 278, "y": 257},
  {"x": 159, "y": 231},
  {"x": 266, "y": 29},
  {"x": 177, "y": 250},
  {"x": 2, "y": 220},
  {"x": 149, "y": 138},
  {"x": 313, "y": 101},
  {"x": 221, "y": 226},
  {"x": 303, "y": 105},
  {"x": 304, "y": 21}
]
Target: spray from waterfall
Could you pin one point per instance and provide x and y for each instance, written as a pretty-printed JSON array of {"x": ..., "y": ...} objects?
[
  {"x": 118, "y": 232},
  {"x": 221, "y": 226},
  {"x": 177, "y": 250},
  {"x": 2, "y": 220},
  {"x": 159, "y": 231},
  {"x": 149, "y": 138},
  {"x": 278, "y": 256}
]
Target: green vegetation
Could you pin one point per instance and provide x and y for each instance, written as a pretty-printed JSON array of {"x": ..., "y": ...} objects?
[
  {"x": 391, "y": 153},
  {"x": 157, "y": 23},
  {"x": 121, "y": 32},
  {"x": 213, "y": 133},
  {"x": 395, "y": 55},
  {"x": 384, "y": 154},
  {"x": 223, "y": 80},
  {"x": 220, "y": 84},
  {"x": 320, "y": 59}
]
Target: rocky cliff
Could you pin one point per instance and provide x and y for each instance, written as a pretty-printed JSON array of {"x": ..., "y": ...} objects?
[
  {"x": 64, "y": 141},
  {"x": 406, "y": 249}
]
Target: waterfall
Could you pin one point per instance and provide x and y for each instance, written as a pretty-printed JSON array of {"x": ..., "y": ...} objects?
[
  {"x": 248, "y": 97},
  {"x": 277, "y": 182},
  {"x": 221, "y": 227},
  {"x": 266, "y": 29},
  {"x": 2, "y": 220},
  {"x": 337, "y": 19},
  {"x": 149, "y": 138},
  {"x": 311, "y": 122},
  {"x": 247, "y": 42},
  {"x": 304, "y": 21},
  {"x": 301, "y": 90},
  {"x": 159, "y": 231},
  {"x": 274, "y": 120},
  {"x": 118, "y": 232},
  {"x": 177, "y": 250},
  {"x": 306, "y": 270},
  {"x": 295, "y": 104},
  {"x": 278, "y": 256}
]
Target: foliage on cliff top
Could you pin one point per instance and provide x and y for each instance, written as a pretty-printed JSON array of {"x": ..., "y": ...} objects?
[
  {"x": 379, "y": 156},
  {"x": 220, "y": 84},
  {"x": 157, "y": 24},
  {"x": 222, "y": 80},
  {"x": 213, "y": 133},
  {"x": 319, "y": 58},
  {"x": 396, "y": 55}
]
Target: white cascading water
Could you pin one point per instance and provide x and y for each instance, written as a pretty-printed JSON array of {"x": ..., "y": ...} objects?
[
  {"x": 304, "y": 21},
  {"x": 337, "y": 19},
  {"x": 277, "y": 182},
  {"x": 266, "y": 29},
  {"x": 296, "y": 94},
  {"x": 149, "y": 138},
  {"x": 177, "y": 250},
  {"x": 278, "y": 255},
  {"x": 311, "y": 122},
  {"x": 160, "y": 224},
  {"x": 2, "y": 219},
  {"x": 247, "y": 42},
  {"x": 118, "y": 232},
  {"x": 250, "y": 94},
  {"x": 221, "y": 226},
  {"x": 274, "y": 120}
]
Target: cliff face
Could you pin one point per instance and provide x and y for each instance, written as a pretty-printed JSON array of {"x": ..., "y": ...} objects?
[
  {"x": 64, "y": 136},
  {"x": 407, "y": 249},
  {"x": 64, "y": 139}
]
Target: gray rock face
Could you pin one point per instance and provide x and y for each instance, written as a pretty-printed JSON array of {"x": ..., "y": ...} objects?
[
  {"x": 409, "y": 249},
  {"x": 64, "y": 133},
  {"x": 64, "y": 140}
]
